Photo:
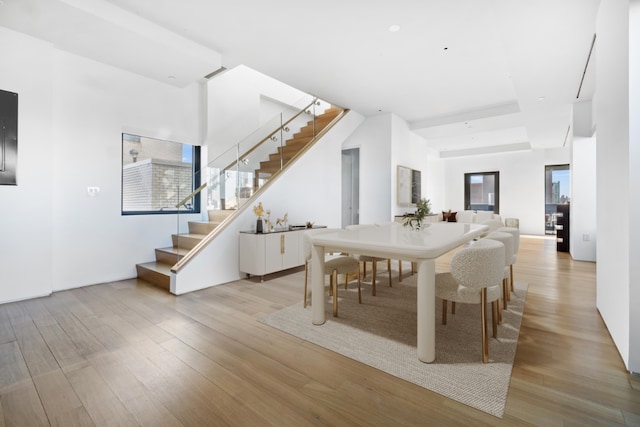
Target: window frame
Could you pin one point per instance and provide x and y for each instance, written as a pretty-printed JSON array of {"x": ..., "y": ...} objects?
[
  {"x": 467, "y": 189},
  {"x": 195, "y": 180}
]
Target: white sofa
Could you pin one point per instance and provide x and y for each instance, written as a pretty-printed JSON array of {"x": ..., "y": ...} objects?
[{"x": 494, "y": 221}]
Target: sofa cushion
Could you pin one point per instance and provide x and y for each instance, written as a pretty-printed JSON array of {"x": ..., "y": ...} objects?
[
  {"x": 449, "y": 216},
  {"x": 483, "y": 216},
  {"x": 468, "y": 217}
]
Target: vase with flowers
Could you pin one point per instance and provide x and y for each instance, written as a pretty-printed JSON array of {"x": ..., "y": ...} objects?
[
  {"x": 258, "y": 210},
  {"x": 414, "y": 220}
]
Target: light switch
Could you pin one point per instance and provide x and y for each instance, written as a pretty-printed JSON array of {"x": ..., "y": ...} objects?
[{"x": 93, "y": 191}]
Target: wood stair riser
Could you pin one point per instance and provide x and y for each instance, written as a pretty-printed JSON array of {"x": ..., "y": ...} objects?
[
  {"x": 157, "y": 277},
  {"x": 198, "y": 227},
  {"x": 185, "y": 241}
]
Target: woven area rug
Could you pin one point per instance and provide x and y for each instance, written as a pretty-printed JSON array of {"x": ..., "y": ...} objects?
[{"x": 381, "y": 332}]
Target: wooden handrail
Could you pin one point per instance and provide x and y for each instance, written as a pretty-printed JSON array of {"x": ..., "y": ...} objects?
[
  {"x": 216, "y": 231},
  {"x": 196, "y": 191}
]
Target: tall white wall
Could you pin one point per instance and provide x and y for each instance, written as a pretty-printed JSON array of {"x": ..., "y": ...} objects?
[
  {"x": 583, "y": 199},
  {"x": 373, "y": 138},
  {"x": 616, "y": 293},
  {"x": 634, "y": 180},
  {"x": 26, "y": 216},
  {"x": 410, "y": 150},
  {"x": 72, "y": 112}
]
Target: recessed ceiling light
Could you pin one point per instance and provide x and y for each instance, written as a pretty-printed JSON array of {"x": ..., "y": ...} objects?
[
  {"x": 171, "y": 77},
  {"x": 394, "y": 28},
  {"x": 541, "y": 98}
]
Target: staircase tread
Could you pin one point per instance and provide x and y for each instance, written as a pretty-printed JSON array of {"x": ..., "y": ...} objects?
[
  {"x": 160, "y": 267},
  {"x": 191, "y": 235},
  {"x": 174, "y": 250}
]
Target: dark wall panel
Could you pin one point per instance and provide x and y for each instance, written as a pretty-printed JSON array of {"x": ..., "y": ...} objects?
[{"x": 8, "y": 137}]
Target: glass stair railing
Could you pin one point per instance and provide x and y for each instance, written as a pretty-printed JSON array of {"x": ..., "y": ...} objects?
[{"x": 238, "y": 175}]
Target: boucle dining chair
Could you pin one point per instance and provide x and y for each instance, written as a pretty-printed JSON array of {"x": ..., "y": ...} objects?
[
  {"x": 476, "y": 272},
  {"x": 507, "y": 240},
  {"x": 333, "y": 265},
  {"x": 515, "y": 232},
  {"x": 364, "y": 259}
]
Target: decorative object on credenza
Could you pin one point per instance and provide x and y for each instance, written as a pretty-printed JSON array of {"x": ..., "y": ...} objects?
[
  {"x": 8, "y": 137},
  {"x": 414, "y": 220},
  {"x": 258, "y": 210},
  {"x": 282, "y": 222},
  {"x": 309, "y": 224},
  {"x": 267, "y": 225}
]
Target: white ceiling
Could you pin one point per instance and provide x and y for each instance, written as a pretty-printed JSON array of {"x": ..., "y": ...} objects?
[{"x": 470, "y": 76}]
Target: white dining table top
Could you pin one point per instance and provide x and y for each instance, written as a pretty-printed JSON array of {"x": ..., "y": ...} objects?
[{"x": 395, "y": 240}]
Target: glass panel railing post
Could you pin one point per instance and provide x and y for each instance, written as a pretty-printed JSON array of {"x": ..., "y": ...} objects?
[{"x": 281, "y": 143}]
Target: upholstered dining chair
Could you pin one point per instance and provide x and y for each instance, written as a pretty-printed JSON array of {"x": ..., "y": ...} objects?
[
  {"x": 333, "y": 265},
  {"x": 364, "y": 259},
  {"x": 507, "y": 240},
  {"x": 515, "y": 232},
  {"x": 476, "y": 272}
]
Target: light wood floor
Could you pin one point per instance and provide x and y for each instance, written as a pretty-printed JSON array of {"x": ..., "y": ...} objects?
[{"x": 126, "y": 353}]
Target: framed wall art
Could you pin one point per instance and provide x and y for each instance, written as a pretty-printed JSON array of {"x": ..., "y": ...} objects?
[{"x": 404, "y": 186}]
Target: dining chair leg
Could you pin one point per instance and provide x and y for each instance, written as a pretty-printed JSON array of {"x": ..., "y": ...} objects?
[
  {"x": 399, "y": 271},
  {"x": 444, "y": 311},
  {"x": 499, "y": 312},
  {"x": 306, "y": 274},
  {"x": 504, "y": 293},
  {"x": 389, "y": 270},
  {"x": 373, "y": 275},
  {"x": 359, "y": 293},
  {"x": 334, "y": 285},
  {"x": 511, "y": 270},
  {"x": 494, "y": 317},
  {"x": 483, "y": 321}
]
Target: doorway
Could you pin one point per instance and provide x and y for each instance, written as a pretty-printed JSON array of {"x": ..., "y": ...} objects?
[
  {"x": 557, "y": 191},
  {"x": 350, "y": 186}
]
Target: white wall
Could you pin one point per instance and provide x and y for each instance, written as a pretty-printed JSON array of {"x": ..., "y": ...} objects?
[
  {"x": 583, "y": 199},
  {"x": 613, "y": 177},
  {"x": 26, "y": 257},
  {"x": 373, "y": 138},
  {"x": 634, "y": 179},
  {"x": 521, "y": 183},
  {"x": 72, "y": 112},
  {"x": 410, "y": 150}
]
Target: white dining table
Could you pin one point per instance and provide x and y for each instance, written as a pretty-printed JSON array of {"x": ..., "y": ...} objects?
[{"x": 395, "y": 241}]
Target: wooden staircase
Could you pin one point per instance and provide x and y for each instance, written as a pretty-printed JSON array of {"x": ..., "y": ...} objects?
[
  {"x": 158, "y": 272},
  {"x": 293, "y": 146}
]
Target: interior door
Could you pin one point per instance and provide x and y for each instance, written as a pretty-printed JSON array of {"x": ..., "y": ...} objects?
[{"x": 350, "y": 186}]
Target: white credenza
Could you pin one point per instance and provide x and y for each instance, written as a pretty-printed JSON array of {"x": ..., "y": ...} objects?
[{"x": 267, "y": 253}]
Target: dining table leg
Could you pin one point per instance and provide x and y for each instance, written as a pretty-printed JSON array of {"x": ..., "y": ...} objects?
[
  {"x": 426, "y": 310},
  {"x": 317, "y": 285}
]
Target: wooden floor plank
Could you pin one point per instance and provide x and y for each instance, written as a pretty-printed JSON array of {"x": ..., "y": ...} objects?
[
  {"x": 102, "y": 405},
  {"x": 61, "y": 404},
  {"x": 21, "y": 406},
  {"x": 129, "y": 353}
]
